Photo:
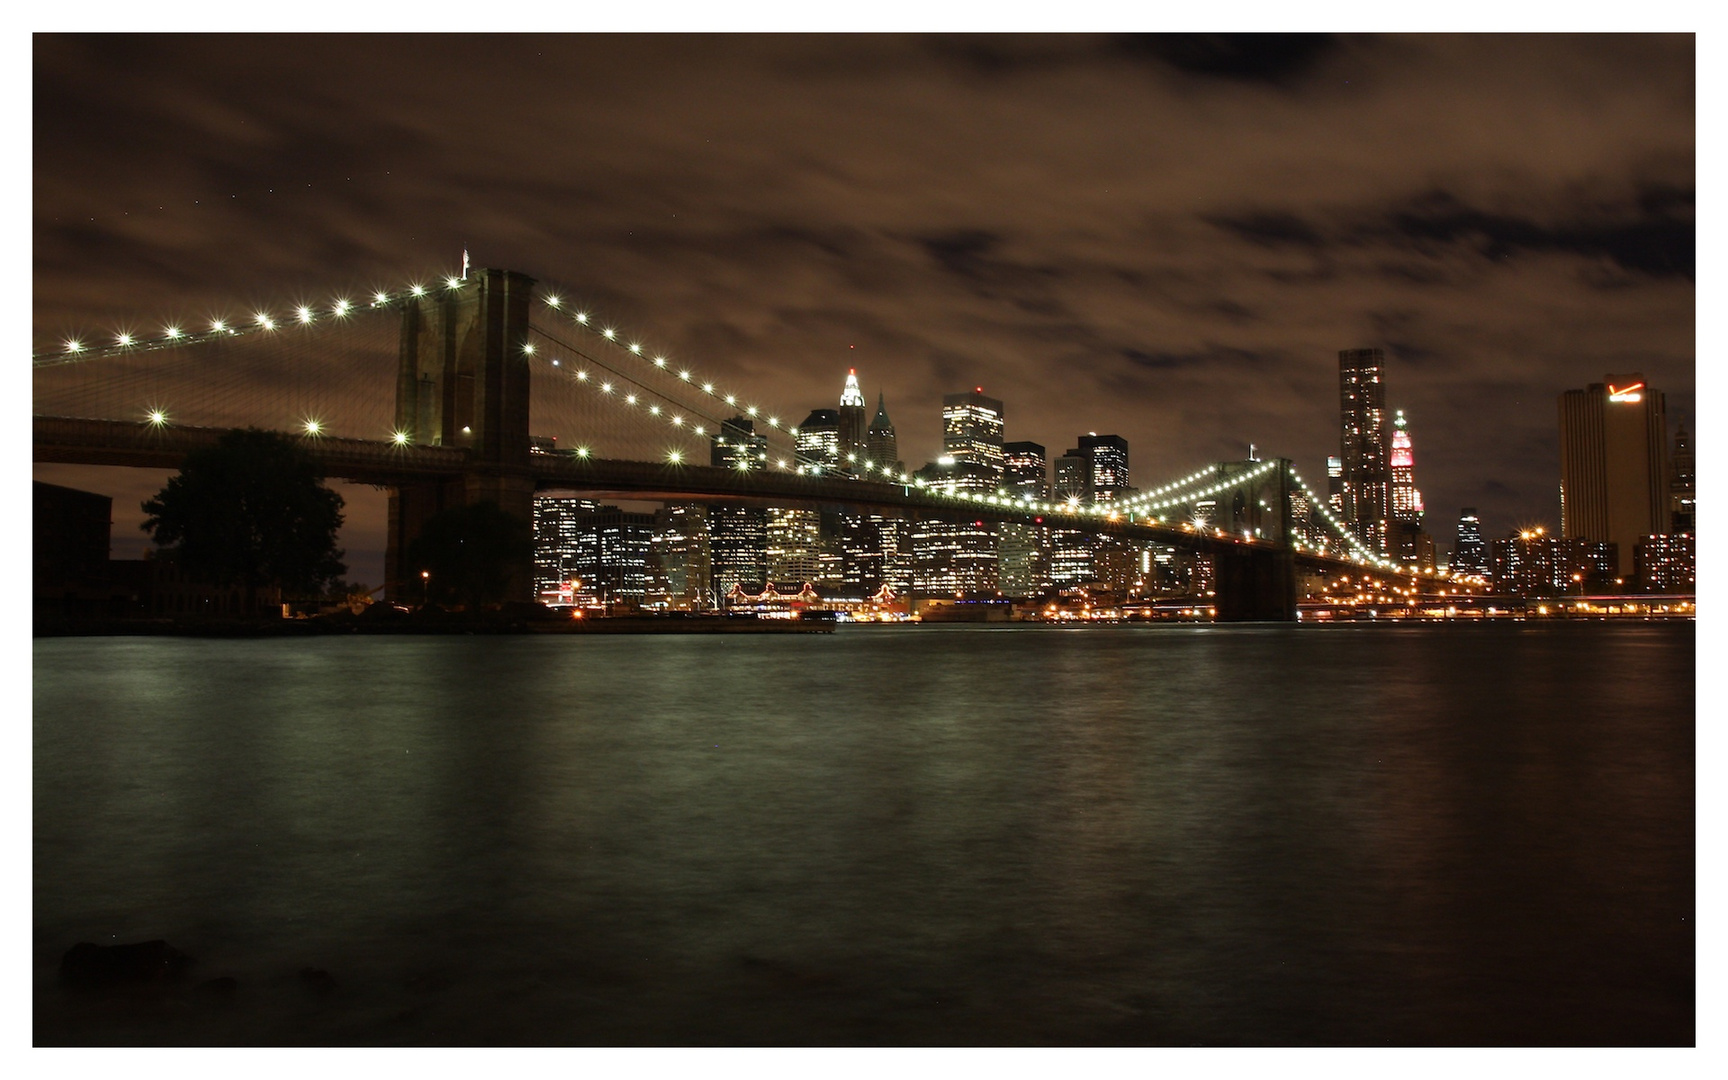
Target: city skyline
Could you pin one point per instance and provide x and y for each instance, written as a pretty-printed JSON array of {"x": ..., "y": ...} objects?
[{"x": 1170, "y": 239}]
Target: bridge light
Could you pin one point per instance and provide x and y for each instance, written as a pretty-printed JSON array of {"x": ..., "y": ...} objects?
[
  {"x": 380, "y": 298},
  {"x": 607, "y": 334},
  {"x": 452, "y": 283},
  {"x": 582, "y": 317},
  {"x": 417, "y": 290},
  {"x": 782, "y": 463},
  {"x": 730, "y": 400},
  {"x": 582, "y": 451},
  {"x": 157, "y": 418},
  {"x": 313, "y": 427},
  {"x": 637, "y": 349},
  {"x": 266, "y": 321},
  {"x": 773, "y": 421},
  {"x": 707, "y": 388},
  {"x": 629, "y": 399},
  {"x": 553, "y": 302},
  {"x": 555, "y": 362},
  {"x": 217, "y": 326},
  {"x": 699, "y": 429},
  {"x": 304, "y": 313},
  {"x": 122, "y": 339},
  {"x": 172, "y": 333},
  {"x": 582, "y": 375},
  {"x": 677, "y": 421},
  {"x": 605, "y": 388},
  {"x": 675, "y": 456},
  {"x": 685, "y": 375},
  {"x": 751, "y": 410},
  {"x": 528, "y": 349},
  {"x": 653, "y": 410},
  {"x": 400, "y": 438},
  {"x": 743, "y": 465},
  {"x": 73, "y": 345}
]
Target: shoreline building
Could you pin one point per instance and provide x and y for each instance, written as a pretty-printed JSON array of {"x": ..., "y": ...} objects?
[
  {"x": 1022, "y": 549},
  {"x": 1469, "y": 551},
  {"x": 1365, "y": 481},
  {"x": 737, "y": 535},
  {"x": 1614, "y": 483},
  {"x": 961, "y": 557}
]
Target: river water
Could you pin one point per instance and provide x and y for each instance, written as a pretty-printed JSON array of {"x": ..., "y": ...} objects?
[{"x": 921, "y": 835}]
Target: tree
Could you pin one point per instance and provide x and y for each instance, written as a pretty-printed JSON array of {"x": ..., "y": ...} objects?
[
  {"x": 252, "y": 511},
  {"x": 471, "y": 554}
]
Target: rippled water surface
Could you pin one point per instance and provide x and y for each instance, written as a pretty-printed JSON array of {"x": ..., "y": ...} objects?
[{"x": 915, "y": 835}]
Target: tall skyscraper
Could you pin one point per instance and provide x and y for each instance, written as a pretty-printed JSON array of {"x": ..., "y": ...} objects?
[
  {"x": 1614, "y": 464},
  {"x": 737, "y": 535},
  {"x": 1096, "y": 470},
  {"x": 1406, "y": 499},
  {"x": 1023, "y": 548},
  {"x": 681, "y": 558},
  {"x": 853, "y": 431},
  {"x": 1683, "y": 488},
  {"x": 972, "y": 433},
  {"x": 1470, "y": 552},
  {"x": 881, "y": 444},
  {"x": 819, "y": 438},
  {"x": 1363, "y": 445}
]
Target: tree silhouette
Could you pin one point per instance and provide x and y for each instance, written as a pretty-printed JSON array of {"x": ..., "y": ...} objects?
[
  {"x": 252, "y": 511},
  {"x": 472, "y": 553}
]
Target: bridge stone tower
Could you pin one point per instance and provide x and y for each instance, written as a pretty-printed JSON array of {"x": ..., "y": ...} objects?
[
  {"x": 1257, "y": 584},
  {"x": 462, "y": 380}
]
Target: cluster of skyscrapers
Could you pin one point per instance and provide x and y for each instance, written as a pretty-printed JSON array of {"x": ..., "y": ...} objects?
[
  {"x": 1626, "y": 501},
  {"x": 695, "y": 556},
  {"x": 1626, "y": 512}
]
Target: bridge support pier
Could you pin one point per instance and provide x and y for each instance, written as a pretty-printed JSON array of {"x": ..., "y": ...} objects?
[
  {"x": 1255, "y": 585},
  {"x": 462, "y": 380}
]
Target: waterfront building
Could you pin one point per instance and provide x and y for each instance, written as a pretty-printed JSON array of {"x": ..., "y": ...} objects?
[
  {"x": 1614, "y": 483},
  {"x": 1683, "y": 488},
  {"x": 557, "y": 523},
  {"x": 682, "y": 567},
  {"x": 793, "y": 544},
  {"x": 1364, "y": 449},
  {"x": 737, "y": 535},
  {"x": 1534, "y": 562},
  {"x": 1022, "y": 548},
  {"x": 1665, "y": 563},
  {"x": 1469, "y": 552},
  {"x": 961, "y": 557},
  {"x": 601, "y": 555}
]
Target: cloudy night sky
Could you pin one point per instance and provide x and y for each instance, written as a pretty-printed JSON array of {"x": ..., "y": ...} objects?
[{"x": 1167, "y": 238}]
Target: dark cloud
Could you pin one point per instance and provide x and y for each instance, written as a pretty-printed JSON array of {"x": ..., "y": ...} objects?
[
  {"x": 1169, "y": 238},
  {"x": 1264, "y": 58}
]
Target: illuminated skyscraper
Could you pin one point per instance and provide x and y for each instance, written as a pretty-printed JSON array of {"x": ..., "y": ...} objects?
[
  {"x": 819, "y": 438},
  {"x": 737, "y": 535},
  {"x": 1614, "y": 464},
  {"x": 853, "y": 436},
  {"x": 1363, "y": 445},
  {"x": 1683, "y": 488},
  {"x": 1470, "y": 552},
  {"x": 1023, "y": 549},
  {"x": 1406, "y": 500},
  {"x": 972, "y": 434}
]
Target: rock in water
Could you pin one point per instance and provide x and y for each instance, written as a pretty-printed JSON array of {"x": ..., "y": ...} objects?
[{"x": 86, "y": 964}]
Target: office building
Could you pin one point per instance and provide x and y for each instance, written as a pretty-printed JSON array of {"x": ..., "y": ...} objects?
[
  {"x": 793, "y": 545},
  {"x": 881, "y": 444},
  {"x": 1364, "y": 446},
  {"x": 1683, "y": 488},
  {"x": 1469, "y": 552},
  {"x": 1666, "y": 564},
  {"x": 854, "y": 421},
  {"x": 1614, "y": 483},
  {"x": 819, "y": 439},
  {"x": 1022, "y": 548},
  {"x": 972, "y": 433},
  {"x": 1534, "y": 562},
  {"x": 682, "y": 567}
]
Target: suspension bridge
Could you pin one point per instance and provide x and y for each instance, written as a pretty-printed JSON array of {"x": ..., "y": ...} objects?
[{"x": 487, "y": 387}]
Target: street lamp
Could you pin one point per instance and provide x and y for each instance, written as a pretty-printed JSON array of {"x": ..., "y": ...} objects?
[{"x": 425, "y": 589}]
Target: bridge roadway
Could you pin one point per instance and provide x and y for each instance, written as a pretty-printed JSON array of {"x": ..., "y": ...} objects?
[{"x": 79, "y": 441}]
